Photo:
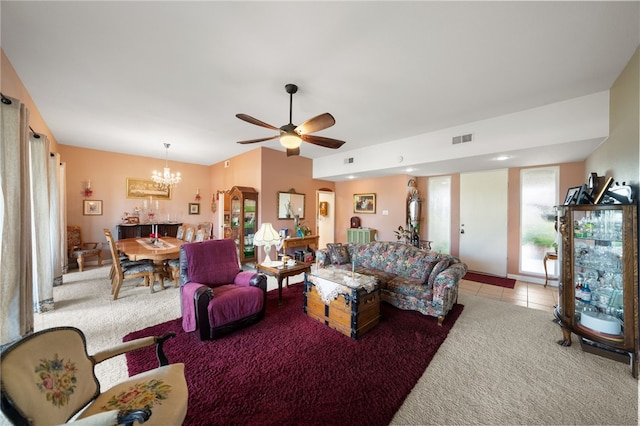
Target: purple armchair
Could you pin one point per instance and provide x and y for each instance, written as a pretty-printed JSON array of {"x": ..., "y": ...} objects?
[{"x": 216, "y": 297}]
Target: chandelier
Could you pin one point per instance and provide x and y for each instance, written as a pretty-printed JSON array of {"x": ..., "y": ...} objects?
[{"x": 166, "y": 179}]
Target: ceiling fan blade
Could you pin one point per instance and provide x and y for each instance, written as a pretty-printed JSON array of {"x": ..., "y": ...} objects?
[
  {"x": 315, "y": 124},
  {"x": 322, "y": 141},
  {"x": 293, "y": 151},
  {"x": 250, "y": 119},
  {"x": 258, "y": 140}
]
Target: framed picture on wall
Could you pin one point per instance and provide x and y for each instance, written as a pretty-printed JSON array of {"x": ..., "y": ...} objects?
[
  {"x": 145, "y": 188},
  {"x": 194, "y": 208},
  {"x": 92, "y": 207},
  {"x": 364, "y": 203}
]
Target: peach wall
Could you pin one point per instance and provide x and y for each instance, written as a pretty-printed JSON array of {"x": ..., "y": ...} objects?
[
  {"x": 11, "y": 85},
  {"x": 269, "y": 171},
  {"x": 109, "y": 171},
  {"x": 391, "y": 195}
]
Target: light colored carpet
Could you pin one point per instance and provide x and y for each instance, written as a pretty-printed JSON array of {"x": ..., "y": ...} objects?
[{"x": 500, "y": 363}]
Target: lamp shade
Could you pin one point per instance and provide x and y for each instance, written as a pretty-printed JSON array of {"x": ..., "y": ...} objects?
[
  {"x": 290, "y": 140},
  {"x": 267, "y": 237}
]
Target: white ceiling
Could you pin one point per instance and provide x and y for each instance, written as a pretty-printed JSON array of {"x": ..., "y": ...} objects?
[{"x": 129, "y": 76}]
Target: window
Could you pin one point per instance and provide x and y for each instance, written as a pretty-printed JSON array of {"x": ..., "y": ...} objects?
[
  {"x": 538, "y": 196},
  {"x": 439, "y": 214}
]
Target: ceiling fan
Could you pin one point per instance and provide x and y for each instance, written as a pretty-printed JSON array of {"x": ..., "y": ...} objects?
[{"x": 291, "y": 136}]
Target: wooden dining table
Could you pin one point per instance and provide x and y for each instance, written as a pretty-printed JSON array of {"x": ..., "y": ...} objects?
[{"x": 145, "y": 249}]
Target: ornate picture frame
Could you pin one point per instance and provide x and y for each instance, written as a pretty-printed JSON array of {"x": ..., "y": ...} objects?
[
  {"x": 364, "y": 203},
  {"x": 145, "y": 188}
]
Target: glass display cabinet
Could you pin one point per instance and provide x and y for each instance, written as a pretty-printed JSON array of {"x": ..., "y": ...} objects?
[
  {"x": 598, "y": 290},
  {"x": 243, "y": 205}
]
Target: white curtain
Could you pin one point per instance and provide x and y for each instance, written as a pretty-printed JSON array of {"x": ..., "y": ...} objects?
[
  {"x": 62, "y": 216},
  {"x": 41, "y": 224},
  {"x": 58, "y": 234},
  {"x": 16, "y": 297}
]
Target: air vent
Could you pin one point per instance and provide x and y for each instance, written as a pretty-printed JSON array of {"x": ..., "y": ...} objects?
[
  {"x": 348, "y": 160},
  {"x": 462, "y": 139}
]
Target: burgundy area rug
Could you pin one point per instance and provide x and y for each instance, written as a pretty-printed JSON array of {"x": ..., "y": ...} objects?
[
  {"x": 490, "y": 279},
  {"x": 291, "y": 369}
]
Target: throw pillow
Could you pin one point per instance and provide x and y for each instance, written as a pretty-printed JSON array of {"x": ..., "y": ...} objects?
[
  {"x": 338, "y": 254},
  {"x": 440, "y": 266}
]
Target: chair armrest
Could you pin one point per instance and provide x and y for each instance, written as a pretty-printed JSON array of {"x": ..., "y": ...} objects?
[
  {"x": 248, "y": 278},
  {"x": 106, "y": 418},
  {"x": 443, "y": 285},
  {"x": 134, "y": 345},
  {"x": 201, "y": 299},
  {"x": 259, "y": 280}
]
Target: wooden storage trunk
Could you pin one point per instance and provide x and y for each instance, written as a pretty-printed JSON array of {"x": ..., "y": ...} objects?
[{"x": 351, "y": 314}]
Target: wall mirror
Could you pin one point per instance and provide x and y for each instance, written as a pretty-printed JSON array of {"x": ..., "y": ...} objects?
[{"x": 290, "y": 203}]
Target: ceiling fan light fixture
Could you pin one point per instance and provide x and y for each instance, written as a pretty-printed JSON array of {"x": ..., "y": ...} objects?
[{"x": 290, "y": 141}]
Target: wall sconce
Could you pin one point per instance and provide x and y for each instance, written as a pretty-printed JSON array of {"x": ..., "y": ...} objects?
[
  {"x": 88, "y": 192},
  {"x": 324, "y": 206},
  {"x": 198, "y": 194}
]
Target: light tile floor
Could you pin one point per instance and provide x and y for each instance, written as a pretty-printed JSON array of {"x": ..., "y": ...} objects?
[{"x": 529, "y": 295}]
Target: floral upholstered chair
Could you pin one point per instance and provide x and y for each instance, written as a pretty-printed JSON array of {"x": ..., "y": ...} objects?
[
  {"x": 80, "y": 250},
  {"x": 48, "y": 377}
]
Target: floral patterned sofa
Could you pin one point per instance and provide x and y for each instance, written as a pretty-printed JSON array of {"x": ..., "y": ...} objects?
[{"x": 410, "y": 278}]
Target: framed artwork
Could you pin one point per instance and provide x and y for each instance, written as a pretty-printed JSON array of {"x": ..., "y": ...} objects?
[
  {"x": 364, "y": 203},
  {"x": 194, "y": 208},
  {"x": 601, "y": 189},
  {"x": 572, "y": 196},
  {"x": 145, "y": 188},
  {"x": 290, "y": 204},
  {"x": 92, "y": 207}
]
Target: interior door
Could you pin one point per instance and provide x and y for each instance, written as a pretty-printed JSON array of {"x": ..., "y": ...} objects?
[
  {"x": 483, "y": 221},
  {"x": 326, "y": 223}
]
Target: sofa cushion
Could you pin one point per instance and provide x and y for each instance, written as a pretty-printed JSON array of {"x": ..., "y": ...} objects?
[
  {"x": 383, "y": 277},
  {"x": 338, "y": 254},
  {"x": 410, "y": 287}
]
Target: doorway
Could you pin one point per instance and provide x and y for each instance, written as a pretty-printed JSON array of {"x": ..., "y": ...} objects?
[
  {"x": 483, "y": 221},
  {"x": 326, "y": 218}
]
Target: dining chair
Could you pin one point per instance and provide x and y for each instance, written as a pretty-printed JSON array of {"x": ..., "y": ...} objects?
[
  {"x": 79, "y": 250},
  {"x": 189, "y": 234},
  {"x": 200, "y": 236},
  {"x": 180, "y": 233},
  {"x": 208, "y": 229},
  {"x": 125, "y": 262},
  {"x": 48, "y": 377},
  {"x": 145, "y": 270},
  {"x": 174, "y": 267}
]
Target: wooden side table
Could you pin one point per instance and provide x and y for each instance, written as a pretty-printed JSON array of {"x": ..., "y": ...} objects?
[
  {"x": 550, "y": 255},
  {"x": 300, "y": 242},
  {"x": 282, "y": 272}
]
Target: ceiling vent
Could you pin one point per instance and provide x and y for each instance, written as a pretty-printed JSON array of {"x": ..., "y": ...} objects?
[
  {"x": 348, "y": 160},
  {"x": 462, "y": 139}
]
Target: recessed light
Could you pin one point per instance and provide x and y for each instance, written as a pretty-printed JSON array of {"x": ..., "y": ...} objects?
[
  {"x": 502, "y": 157},
  {"x": 409, "y": 170},
  {"x": 351, "y": 177}
]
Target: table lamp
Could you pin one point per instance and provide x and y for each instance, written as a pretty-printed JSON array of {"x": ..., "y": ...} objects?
[{"x": 267, "y": 237}]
